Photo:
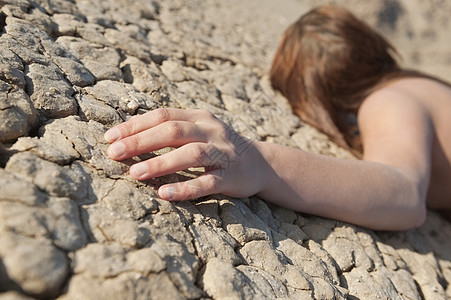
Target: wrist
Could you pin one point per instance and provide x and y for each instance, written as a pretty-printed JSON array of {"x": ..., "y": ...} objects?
[{"x": 266, "y": 174}]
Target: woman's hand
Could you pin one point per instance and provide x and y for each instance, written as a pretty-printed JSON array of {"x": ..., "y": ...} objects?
[{"x": 233, "y": 164}]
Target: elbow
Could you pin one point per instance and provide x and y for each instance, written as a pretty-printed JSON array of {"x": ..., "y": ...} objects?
[
  {"x": 420, "y": 212},
  {"x": 409, "y": 214},
  {"x": 417, "y": 210},
  {"x": 415, "y": 214},
  {"x": 417, "y": 217},
  {"x": 402, "y": 221}
]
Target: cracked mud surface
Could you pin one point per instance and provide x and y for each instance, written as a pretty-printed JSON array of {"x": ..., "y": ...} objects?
[{"x": 74, "y": 225}]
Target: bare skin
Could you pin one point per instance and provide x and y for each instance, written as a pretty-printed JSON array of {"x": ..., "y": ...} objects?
[{"x": 406, "y": 164}]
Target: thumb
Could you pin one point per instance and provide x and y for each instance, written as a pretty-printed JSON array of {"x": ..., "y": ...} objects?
[{"x": 206, "y": 184}]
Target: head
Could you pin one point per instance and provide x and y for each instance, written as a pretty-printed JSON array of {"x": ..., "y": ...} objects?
[{"x": 327, "y": 63}]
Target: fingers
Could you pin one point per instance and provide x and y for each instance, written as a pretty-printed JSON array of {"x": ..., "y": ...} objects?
[
  {"x": 168, "y": 134},
  {"x": 190, "y": 155},
  {"x": 170, "y": 127},
  {"x": 207, "y": 184},
  {"x": 151, "y": 119}
]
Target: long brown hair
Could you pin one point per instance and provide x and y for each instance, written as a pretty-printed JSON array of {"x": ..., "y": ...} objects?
[{"x": 326, "y": 64}]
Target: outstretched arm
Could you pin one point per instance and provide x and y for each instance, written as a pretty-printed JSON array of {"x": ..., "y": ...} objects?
[
  {"x": 384, "y": 191},
  {"x": 365, "y": 193}
]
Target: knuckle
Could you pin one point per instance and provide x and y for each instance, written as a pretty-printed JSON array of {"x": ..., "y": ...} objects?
[
  {"x": 158, "y": 164},
  {"x": 199, "y": 154},
  {"x": 133, "y": 142},
  {"x": 222, "y": 130},
  {"x": 161, "y": 115},
  {"x": 193, "y": 191},
  {"x": 127, "y": 128},
  {"x": 211, "y": 182},
  {"x": 174, "y": 129},
  {"x": 206, "y": 114},
  {"x": 208, "y": 184}
]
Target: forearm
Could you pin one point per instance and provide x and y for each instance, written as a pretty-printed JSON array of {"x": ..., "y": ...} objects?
[{"x": 364, "y": 193}]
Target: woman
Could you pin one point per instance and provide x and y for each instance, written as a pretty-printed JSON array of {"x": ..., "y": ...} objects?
[{"x": 330, "y": 66}]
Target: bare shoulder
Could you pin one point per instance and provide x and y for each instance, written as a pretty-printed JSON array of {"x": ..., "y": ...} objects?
[
  {"x": 396, "y": 126},
  {"x": 424, "y": 95},
  {"x": 398, "y": 105},
  {"x": 400, "y": 96},
  {"x": 409, "y": 103}
]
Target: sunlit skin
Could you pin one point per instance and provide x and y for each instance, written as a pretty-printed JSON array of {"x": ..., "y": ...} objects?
[
  {"x": 328, "y": 63},
  {"x": 406, "y": 163}
]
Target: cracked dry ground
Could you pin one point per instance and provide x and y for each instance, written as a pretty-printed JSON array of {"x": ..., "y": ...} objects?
[{"x": 73, "y": 225}]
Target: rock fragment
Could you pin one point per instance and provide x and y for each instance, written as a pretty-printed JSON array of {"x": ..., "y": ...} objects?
[
  {"x": 17, "y": 113},
  {"x": 101, "y": 61},
  {"x": 37, "y": 266},
  {"x": 49, "y": 91}
]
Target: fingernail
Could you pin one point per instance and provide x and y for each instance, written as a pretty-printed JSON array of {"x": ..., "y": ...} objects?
[
  {"x": 167, "y": 192},
  {"x": 116, "y": 150},
  {"x": 112, "y": 135},
  {"x": 138, "y": 170}
]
